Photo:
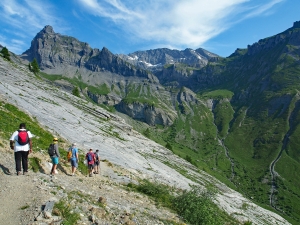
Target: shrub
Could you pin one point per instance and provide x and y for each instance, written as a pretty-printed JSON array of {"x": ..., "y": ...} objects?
[
  {"x": 5, "y": 53},
  {"x": 147, "y": 133},
  {"x": 196, "y": 207},
  {"x": 159, "y": 192},
  {"x": 169, "y": 146},
  {"x": 35, "y": 164},
  {"x": 75, "y": 91},
  {"x": 34, "y": 66},
  {"x": 64, "y": 210}
]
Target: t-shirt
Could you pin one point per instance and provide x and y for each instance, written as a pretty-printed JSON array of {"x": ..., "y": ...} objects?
[
  {"x": 93, "y": 155},
  {"x": 56, "y": 150},
  {"x": 74, "y": 152},
  {"x": 18, "y": 147}
]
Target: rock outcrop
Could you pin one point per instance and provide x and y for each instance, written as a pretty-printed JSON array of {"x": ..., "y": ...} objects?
[{"x": 147, "y": 113}]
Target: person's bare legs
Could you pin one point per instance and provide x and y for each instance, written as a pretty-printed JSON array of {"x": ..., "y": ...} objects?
[
  {"x": 73, "y": 170},
  {"x": 53, "y": 169}
]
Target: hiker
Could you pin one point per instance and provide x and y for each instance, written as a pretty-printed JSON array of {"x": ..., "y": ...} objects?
[
  {"x": 54, "y": 154},
  {"x": 74, "y": 158},
  {"x": 90, "y": 157},
  {"x": 97, "y": 161},
  {"x": 21, "y": 143}
]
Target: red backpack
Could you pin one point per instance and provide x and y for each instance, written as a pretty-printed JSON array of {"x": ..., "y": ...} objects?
[{"x": 23, "y": 138}]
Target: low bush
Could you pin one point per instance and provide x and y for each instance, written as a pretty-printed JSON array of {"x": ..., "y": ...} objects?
[
  {"x": 62, "y": 209},
  {"x": 195, "y": 206}
]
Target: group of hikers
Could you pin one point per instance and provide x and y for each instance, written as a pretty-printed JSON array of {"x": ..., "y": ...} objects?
[{"x": 21, "y": 143}]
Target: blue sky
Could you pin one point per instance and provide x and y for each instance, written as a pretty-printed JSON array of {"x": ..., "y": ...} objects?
[{"x": 125, "y": 26}]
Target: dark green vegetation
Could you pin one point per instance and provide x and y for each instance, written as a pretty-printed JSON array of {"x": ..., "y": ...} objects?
[
  {"x": 10, "y": 119},
  {"x": 194, "y": 206},
  {"x": 64, "y": 210},
  {"x": 5, "y": 54},
  {"x": 75, "y": 92},
  {"x": 34, "y": 66}
]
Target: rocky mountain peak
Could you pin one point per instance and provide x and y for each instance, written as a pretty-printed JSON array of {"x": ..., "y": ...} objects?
[
  {"x": 296, "y": 24},
  {"x": 48, "y": 29}
]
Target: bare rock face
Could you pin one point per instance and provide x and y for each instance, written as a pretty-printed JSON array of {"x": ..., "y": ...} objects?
[
  {"x": 55, "y": 50},
  {"x": 151, "y": 59},
  {"x": 147, "y": 113}
]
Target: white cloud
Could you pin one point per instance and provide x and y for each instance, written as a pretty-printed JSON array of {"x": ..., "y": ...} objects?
[
  {"x": 177, "y": 23},
  {"x": 27, "y": 14},
  {"x": 24, "y": 17}
]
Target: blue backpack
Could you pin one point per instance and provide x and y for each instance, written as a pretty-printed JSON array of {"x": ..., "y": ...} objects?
[{"x": 89, "y": 157}]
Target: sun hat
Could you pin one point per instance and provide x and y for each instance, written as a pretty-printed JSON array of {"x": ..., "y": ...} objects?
[
  {"x": 74, "y": 144},
  {"x": 55, "y": 139}
]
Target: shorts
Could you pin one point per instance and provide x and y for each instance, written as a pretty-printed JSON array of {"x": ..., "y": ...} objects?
[
  {"x": 91, "y": 166},
  {"x": 74, "y": 163},
  {"x": 54, "y": 160},
  {"x": 97, "y": 163}
]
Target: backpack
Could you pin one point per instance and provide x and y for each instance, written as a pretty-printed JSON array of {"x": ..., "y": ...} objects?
[
  {"x": 89, "y": 157},
  {"x": 51, "y": 150},
  {"x": 69, "y": 156},
  {"x": 23, "y": 138},
  {"x": 96, "y": 156}
]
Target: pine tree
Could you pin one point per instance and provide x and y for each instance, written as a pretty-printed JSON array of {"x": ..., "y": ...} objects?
[
  {"x": 75, "y": 92},
  {"x": 169, "y": 146},
  {"x": 5, "y": 53},
  {"x": 34, "y": 66}
]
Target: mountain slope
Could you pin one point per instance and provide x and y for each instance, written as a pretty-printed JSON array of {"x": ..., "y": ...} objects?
[
  {"x": 235, "y": 117},
  {"x": 263, "y": 130},
  {"x": 79, "y": 121},
  {"x": 251, "y": 135}
]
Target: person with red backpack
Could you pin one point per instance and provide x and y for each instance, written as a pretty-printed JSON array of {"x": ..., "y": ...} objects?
[
  {"x": 21, "y": 143},
  {"x": 90, "y": 157}
]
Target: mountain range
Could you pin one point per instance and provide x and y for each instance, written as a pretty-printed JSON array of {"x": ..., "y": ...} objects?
[{"x": 237, "y": 118}]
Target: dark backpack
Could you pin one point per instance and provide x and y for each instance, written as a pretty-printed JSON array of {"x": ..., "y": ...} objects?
[
  {"x": 51, "y": 150},
  {"x": 96, "y": 156},
  {"x": 23, "y": 138},
  {"x": 89, "y": 157}
]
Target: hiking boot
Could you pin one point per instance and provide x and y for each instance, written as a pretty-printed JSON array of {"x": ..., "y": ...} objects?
[
  {"x": 18, "y": 173},
  {"x": 25, "y": 173},
  {"x": 91, "y": 174}
]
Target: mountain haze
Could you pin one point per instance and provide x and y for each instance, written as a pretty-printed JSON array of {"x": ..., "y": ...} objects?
[{"x": 236, "y": 118}]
